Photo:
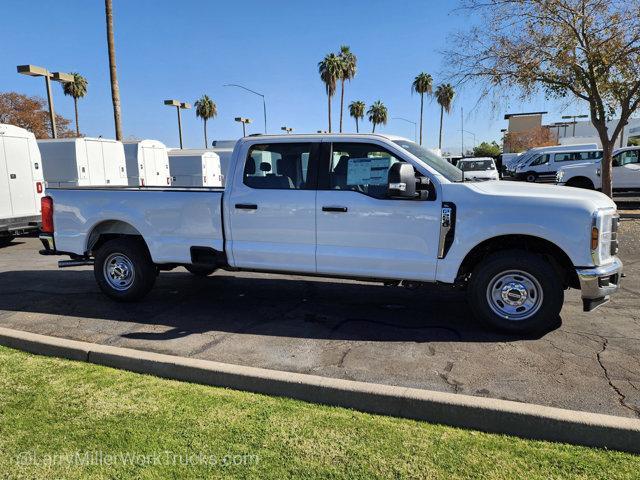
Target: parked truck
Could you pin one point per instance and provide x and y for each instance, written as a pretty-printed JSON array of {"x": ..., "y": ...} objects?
[
  {"x": 369, "y": 207},
  {"x": 147, "y": 163},
  {"x": 625, "y": 172},
  {"x": 70, "y": 162},
  {"x": 21, "y": 182},
  {"x": 195, "y": 168}
]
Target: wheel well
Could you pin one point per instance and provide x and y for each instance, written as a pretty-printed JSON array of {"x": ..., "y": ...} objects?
[
  {"x": 581, "y": 181},
  {"x": 109, "y": 230},
  {"x": 554, "y": 254}
]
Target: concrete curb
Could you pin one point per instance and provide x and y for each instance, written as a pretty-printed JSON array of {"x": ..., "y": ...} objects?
[
  {"x": 490, "y": 415},
  {"x": 628, "y": 214}
]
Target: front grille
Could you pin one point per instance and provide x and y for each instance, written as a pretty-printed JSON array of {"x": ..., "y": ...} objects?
[{"x": 614, "y": 235}]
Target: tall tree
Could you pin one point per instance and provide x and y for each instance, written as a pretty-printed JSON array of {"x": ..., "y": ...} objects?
[
  {"x": 423, "y": 83},
  {"x": 205, "y": 109},
  {"x": 330, "y": 69},
  {"x": 377, "y": 114},
  {"x": 76, "y": 89},
  {"x": 356, "y": 110},
  {"x": 115, "y": 89},
  {"x": 444, "y": 96},
  {"x": 585, "y": 49},
  {"x": 348, "y": 64},
  {"x": 31, "y": 113}
]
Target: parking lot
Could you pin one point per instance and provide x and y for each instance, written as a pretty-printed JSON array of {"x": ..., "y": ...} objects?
[{"x": 424, "y": 338}]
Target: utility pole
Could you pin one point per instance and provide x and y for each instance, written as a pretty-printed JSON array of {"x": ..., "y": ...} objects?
[{"x": 462, "y": 130}]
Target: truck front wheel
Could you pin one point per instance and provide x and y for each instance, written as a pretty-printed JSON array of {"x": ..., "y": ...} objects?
[
  {"x": 516, "y": 292},
  {"x": 124, "y": 270}
]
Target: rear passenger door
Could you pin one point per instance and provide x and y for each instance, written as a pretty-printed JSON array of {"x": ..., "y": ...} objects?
[{"x": 271, "y": 207}]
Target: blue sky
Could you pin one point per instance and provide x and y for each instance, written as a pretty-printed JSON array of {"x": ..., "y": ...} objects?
[{"x": 171, "y": 49}]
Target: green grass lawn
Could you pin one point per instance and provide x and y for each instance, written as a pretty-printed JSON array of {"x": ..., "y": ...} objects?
[{"x": 64, "y": 419}]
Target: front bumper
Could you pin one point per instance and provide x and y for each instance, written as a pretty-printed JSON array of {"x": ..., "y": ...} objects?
[{"x": 598, "y": 283}]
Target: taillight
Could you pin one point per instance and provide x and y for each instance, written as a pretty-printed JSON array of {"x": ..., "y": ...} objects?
[
  {"x": 39, "y": 187},
  {"x": 142, "y": 182},
  {"x": 168, "y": 181},
  {"x": 47, "y": 214},
  {"x": 595, "y": 237}
]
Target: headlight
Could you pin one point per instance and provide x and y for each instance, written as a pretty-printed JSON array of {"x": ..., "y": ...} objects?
[
  {"x": 603, "y": 236},
  {"x": 559, "y": 176}
]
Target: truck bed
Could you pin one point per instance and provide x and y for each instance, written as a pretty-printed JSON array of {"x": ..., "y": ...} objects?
[{"x": 170, "y": 224}]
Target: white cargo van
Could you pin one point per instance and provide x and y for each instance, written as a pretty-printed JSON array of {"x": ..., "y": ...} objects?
[
  {"x": 543, "y": 166},
  {"x": 513, "y": 163},
  {"x": 195, "y": 168},
  {"x": 70, "y": 162},
  {"x": 147, "y": 163},
  {"x": 21, "y": 182}
]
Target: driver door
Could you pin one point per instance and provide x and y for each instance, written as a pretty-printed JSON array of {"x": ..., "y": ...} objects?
[
  {"x": 626, "y": 169},
  {"x": 363, "y": 233}
]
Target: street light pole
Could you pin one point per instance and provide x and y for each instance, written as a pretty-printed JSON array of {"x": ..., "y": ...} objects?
[
  {"x": 475, "y": 143},
  {"x": 244, "y": 122},
  {"x": 179, "y": 105},
  {"x": 34, "y": 71},
  {"x": 415, "y": 126},
  {"x": 264, "y": 103},
  {"x": 574, "y": 117}
]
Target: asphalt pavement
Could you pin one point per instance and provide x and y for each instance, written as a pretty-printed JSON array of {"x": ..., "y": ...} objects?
[{"x": 424, "y": 338}]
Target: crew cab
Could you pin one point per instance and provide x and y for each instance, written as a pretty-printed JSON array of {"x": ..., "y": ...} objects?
[
  {"x": 369, "y": 207},
  {"x": 625, "y": 172}
]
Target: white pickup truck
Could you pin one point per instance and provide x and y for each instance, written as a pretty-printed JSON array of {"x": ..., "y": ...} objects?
[
  {"x": 625, "y": 172},
  {"x": 368, "y": 207}
]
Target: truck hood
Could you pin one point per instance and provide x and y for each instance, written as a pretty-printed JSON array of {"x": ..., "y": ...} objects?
[
  {"x": 544, "y": 194},
  {"x": 481, "y": 174},
  {"x": 587, "y": 163}
]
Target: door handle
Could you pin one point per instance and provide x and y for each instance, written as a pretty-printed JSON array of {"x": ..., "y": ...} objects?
[
  {"x": 334, "y": 209},
  {"x": 246, "y": 206}
]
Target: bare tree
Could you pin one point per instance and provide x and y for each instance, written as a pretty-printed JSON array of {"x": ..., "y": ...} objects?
[
  {"x": 588, "y": 49},
  {"x": 115, "y": 89}
]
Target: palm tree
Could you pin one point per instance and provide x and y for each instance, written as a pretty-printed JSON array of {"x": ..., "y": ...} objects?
[
  {"x": 330, "y": 70},
  {"x": 377, "y": 114},
  {"x": 422, "y": 84},
  {"x": 356, "y": 110},
  {"x": 444, "y": 96},
  {"x": 76, "y": 89},
  {"x": 348, "y": 63},
  {"x": 115, "y": 90},
  {"x": 205, "y": 109}
]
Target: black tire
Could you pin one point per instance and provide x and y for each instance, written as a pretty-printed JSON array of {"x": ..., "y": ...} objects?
[
  {"x": 200, "y": 271},
  {"x": 6, "y": 240},
  {"x": 530, "y": 177},
  {"x": 140, "y": 278},
  {"x": 485, "y": 285}
]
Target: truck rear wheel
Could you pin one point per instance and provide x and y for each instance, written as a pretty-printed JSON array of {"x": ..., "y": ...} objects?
[
  {"x": 124, "y": 270},
  {"x": 531, "y": 177},
  {"x": 516, "y": 292}
]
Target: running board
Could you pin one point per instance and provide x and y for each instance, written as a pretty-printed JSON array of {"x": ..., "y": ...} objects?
[{"x": 74, "y": 263}]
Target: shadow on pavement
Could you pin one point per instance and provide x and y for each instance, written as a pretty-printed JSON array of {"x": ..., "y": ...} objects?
[{"x": 278, "y": 306}]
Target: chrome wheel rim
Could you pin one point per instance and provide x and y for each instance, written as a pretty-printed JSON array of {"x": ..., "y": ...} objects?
[
  {"x": 119, "y": 271},
  {"x": 514, "y": 295}
]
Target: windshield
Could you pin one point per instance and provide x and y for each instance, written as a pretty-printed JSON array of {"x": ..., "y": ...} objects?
[
  {"x": 477, "y": 165},
  {"x": 439, "y": 164}
]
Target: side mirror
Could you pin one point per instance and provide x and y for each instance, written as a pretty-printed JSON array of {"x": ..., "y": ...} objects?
[{"x": 402, "y": 181}]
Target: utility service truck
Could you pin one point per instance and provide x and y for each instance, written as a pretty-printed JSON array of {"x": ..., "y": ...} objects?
[{"x": 21, "y": 182}]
